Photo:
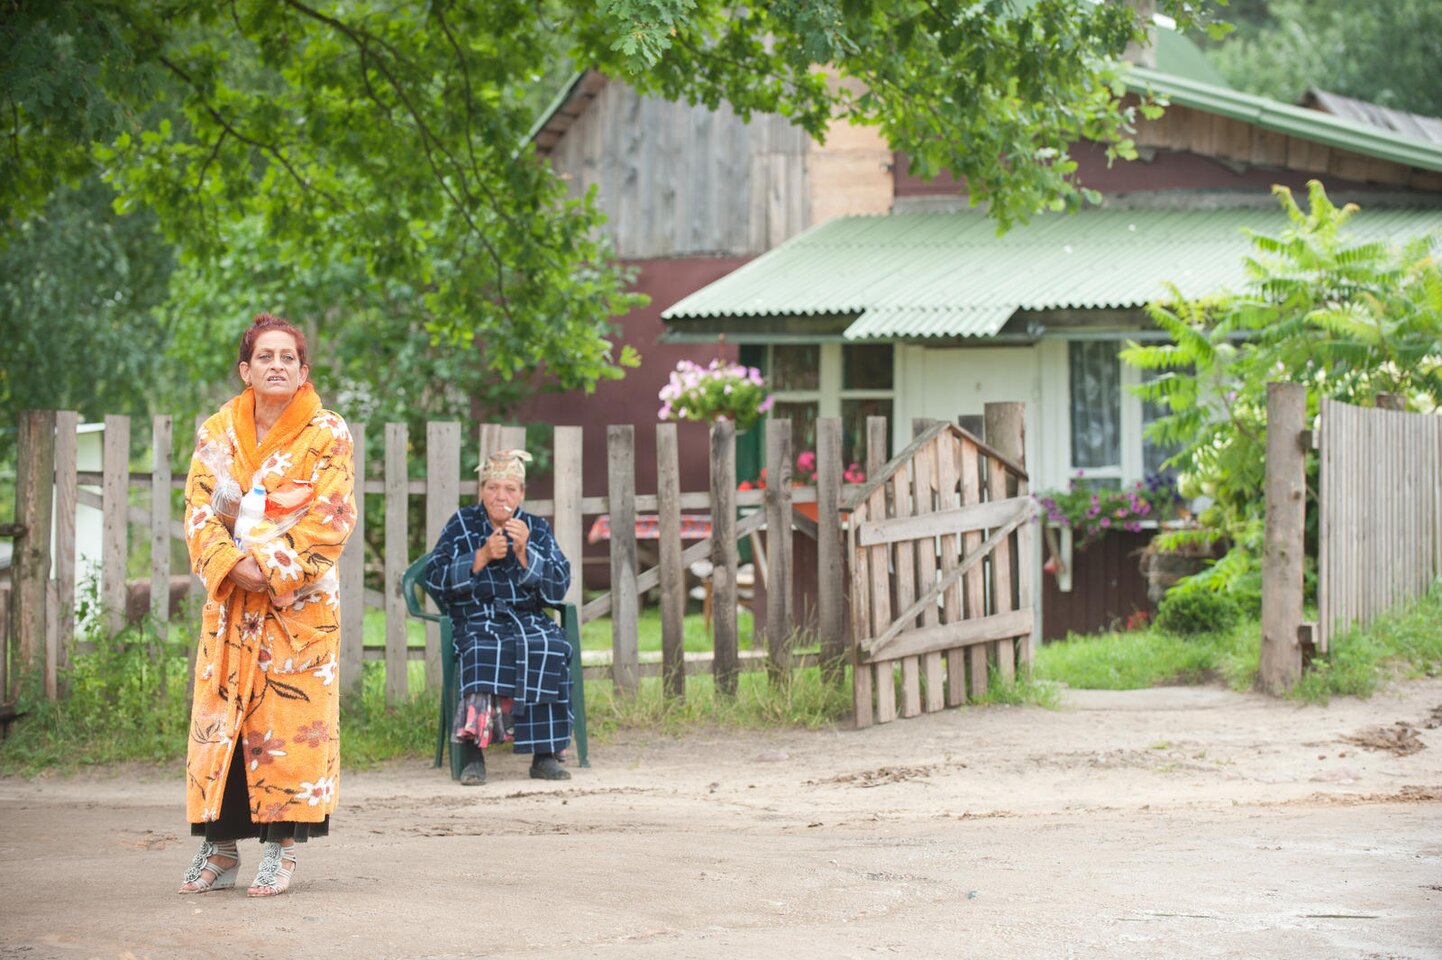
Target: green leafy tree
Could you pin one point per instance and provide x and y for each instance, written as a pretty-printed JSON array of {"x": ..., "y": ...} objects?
[
  {"x": 1385, "y": 52},
  {"x": 78, "y": 287},
  {"x": 393, "y": 135},
  {"x": 1348, "y": 318}
]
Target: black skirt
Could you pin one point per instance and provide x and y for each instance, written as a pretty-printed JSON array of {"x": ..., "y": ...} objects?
[{"x": 234, "y": 822}]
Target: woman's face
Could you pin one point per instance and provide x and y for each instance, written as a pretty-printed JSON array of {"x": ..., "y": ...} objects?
[
  {"x": 274, "y": 371},
  {"x": 501, "y": 498}
]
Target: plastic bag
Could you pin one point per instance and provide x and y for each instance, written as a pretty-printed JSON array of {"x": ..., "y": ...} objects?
[{"x": 225, "y": 499}]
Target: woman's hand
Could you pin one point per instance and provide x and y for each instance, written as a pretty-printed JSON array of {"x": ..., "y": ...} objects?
[
  {"x": 494, "y": 548},
  {"x": 247, "y": 576},
  {"x": 520, "y": 536}
]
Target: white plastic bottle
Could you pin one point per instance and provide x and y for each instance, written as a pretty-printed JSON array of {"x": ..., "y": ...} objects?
[{"x": 252, "y": 512}]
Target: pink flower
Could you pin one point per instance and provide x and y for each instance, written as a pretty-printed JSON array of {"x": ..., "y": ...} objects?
[{"x": 806, "y": 462}]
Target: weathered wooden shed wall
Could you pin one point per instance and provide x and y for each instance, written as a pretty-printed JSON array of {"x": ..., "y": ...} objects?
[{"x": 677, "y": 180}]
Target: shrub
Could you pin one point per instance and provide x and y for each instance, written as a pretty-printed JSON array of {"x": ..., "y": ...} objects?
[{"x": 1197, "y": 611}]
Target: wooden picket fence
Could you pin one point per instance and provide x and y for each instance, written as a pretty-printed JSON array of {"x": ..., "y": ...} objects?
[
  {"x": 1380, "y": 534},
  {"x": 1379, "y": 502},
  {"x": 40, "y": 618}
]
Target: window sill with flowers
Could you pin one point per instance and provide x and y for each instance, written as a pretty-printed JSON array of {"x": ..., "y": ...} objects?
[{"x": 1083, "y": 514}]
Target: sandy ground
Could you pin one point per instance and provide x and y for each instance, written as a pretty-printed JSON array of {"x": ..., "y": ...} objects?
[{"x": 1177, "y": 822}]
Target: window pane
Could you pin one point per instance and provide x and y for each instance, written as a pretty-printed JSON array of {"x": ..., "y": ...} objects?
[
  {"x": 803, "y": 424},
  {"x": 853, "y": 428},
  {"x": 1096, "y": 410},
  {"x": 866, "y": 367},
  {"x": 796, "y": 366}
]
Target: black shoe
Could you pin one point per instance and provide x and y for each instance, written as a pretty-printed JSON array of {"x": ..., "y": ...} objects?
[
  {"x": 474, "y": 772},
  {"x": 547, "y": 767}
]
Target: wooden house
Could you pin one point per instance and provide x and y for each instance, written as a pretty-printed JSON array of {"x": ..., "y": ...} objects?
[{"x": 863, "y": 290}]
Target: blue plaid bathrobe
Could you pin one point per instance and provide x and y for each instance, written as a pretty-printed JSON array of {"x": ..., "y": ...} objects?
[{"x": 505, "y": 643}]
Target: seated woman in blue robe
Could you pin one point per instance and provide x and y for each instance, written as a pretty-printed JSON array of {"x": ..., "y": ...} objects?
[{"x": 493, "y": 568}]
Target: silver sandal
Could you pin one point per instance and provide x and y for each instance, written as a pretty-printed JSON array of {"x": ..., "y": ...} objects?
[
  {"x": 273, "y": 877},
  {"x": 204, "y": 876}
]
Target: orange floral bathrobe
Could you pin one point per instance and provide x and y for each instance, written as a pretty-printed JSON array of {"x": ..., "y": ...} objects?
[{"x": 266, "y": 673}]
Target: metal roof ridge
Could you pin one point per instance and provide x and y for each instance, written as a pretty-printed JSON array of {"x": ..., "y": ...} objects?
[{"x": 1265, "y": 112}]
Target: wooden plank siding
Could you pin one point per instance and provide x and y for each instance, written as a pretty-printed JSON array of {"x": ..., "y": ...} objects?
[{"x": 680, "y": 180}]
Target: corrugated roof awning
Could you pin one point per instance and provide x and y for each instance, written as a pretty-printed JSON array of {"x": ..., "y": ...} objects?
[{"x": 924, "y": 275}]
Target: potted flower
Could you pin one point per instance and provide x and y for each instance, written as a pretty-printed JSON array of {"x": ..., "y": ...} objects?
[{"x": 719, "y": 391}]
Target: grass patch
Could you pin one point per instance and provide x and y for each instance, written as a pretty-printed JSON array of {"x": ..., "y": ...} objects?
[
  {"x": 805, "y": 701},
  {"x": 1146, "y": 658},
  {"x": 1404, "y": 644},
  {"x": 596, "y": 635}
]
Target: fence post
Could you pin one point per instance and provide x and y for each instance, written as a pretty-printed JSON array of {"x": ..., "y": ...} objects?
[
  {"x": 625, "y": 604},
  {"x": 397, "y": 481},
  {"x": 723, "y": 554},
  {"x": 443, "y": 496},
  {"x": 67, "y": 494},
  {"x": 115, "y": 510},
  {"x": 566, "y": 518},
  {"x": 1280, "y": 664},
  {"x": 779, "y": 619},
  {"x": 35, "y": 463},
  {"x": 673, "y": 576},
  {"x": 352, "y": 577},
  {"x": 831, "y": 569},
  {"x": 1006, "y": 433}
]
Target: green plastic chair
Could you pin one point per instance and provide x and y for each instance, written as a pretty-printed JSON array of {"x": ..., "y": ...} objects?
[{"x": 413, "y": 584}]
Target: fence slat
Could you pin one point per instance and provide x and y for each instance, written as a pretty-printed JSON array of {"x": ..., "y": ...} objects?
[
  {"x": 352, "y": 577},
  {"x": 443, "y": 497},
  {"x": 566, "y": 519},
  {"x": 67, "y": 424},
  {"x": 779, "y": 617},
  {"x": 884, "y": 681},
  {"x": 673, "y": 573},
  {"x": 396, "y": 561},
  {"x": 904, "y": 565},
  {"x": 975, "y": 581},
  {"x": 863, "y": 687},
  {"x": 923, "y": 506},
  {"x": 625, "y": 601},
  {"x": 160, "y": 449},
  {"x": 723, "y": 554},
  {"x": 115, "y": 503},
  {"x": 830, "y": 557},
  {"x": 948, "y": 497}
]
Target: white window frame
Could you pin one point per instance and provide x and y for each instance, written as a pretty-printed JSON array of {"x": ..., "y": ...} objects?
[
  {"x": 829, "y": 393},
  {"x": 1130, "y": 470}
]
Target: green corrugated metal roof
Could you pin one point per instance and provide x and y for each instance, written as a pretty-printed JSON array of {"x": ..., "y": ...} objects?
[
  {"x": 1294, "y": 121},
  {"x": 950, "y": 275}
]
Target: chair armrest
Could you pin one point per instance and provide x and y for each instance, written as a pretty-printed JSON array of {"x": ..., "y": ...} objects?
[{"x": 412, "y": 579}]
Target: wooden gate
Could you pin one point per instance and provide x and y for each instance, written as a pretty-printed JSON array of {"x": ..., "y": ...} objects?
[{"x": 942, "y": 574}]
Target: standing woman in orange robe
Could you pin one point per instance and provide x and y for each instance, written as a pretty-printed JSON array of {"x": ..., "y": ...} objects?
[{"x": 264, "y": 751}]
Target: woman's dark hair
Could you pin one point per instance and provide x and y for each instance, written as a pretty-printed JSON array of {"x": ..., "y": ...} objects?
[{"x": 264, "y": 322}]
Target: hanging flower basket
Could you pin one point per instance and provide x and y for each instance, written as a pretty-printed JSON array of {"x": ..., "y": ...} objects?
[{"x": 720, "y": 391}]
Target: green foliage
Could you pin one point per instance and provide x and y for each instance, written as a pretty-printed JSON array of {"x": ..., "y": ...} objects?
[
  {"x": 1348, "y": 319},
  {"x": 1382, "y": 52},
  {"x": 1405, "y": 643},
  {"x": 78, "y": 285},
  {"x": 127, "y": 699},
  {"x": 1190, "y": 612}
]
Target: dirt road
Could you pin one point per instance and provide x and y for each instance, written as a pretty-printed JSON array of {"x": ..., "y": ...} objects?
[{"x": 1179, "y": 822}]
